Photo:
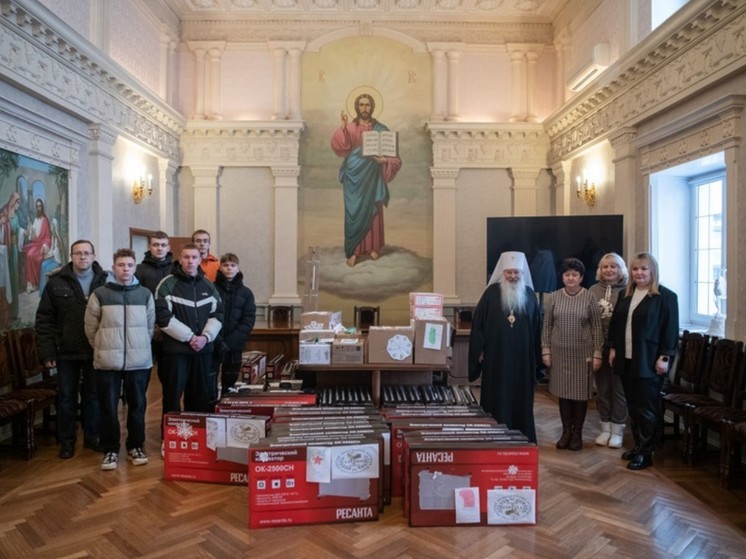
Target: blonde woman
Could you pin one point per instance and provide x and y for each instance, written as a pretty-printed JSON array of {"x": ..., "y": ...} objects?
[
  {"x": 643, "y": 334},
  {"x": 611, "y": 276}
]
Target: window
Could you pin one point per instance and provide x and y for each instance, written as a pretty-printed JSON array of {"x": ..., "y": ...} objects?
[
  {"x": 707, "y": 247},
  {"x": 688, "y": 238}
]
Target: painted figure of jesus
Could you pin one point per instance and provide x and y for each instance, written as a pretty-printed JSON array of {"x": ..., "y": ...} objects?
[{"x": 364, "y": 181}]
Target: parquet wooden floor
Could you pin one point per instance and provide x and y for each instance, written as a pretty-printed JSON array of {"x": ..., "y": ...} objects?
[{"x": 590, "y": 505}]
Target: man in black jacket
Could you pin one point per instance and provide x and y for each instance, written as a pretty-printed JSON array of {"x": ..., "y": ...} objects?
[
  {"x": 155, "y": 266},
  {"x": 189, "y": 312},
  {"x": 157, "y": 263},
  {"x": 62, "y": 343},
  {"x": 239, "y": 317}
]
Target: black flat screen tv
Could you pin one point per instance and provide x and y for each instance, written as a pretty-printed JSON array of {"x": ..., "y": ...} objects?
[{"x": 546, "y": 241}]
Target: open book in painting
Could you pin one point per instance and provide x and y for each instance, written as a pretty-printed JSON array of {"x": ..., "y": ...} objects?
[{"x": 384, "y": 143}]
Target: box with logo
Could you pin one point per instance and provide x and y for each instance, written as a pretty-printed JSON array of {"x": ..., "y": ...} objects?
[
  {"x": 320, "y": 320},
  {"x": 209, "y": 447},
  {"x": 431, "y": 340},
  {"x": 253, "y": 367},
  {"x": 401, "y": 426},
  {"x": 263, "y": 403},
  {"x": 314, "y": 481},
  {"x": 391, "y": 344},
  {"x": 348, "y": 350},
  {"x": 485, "y": 483},
  {"x": 426, "y": 305}
]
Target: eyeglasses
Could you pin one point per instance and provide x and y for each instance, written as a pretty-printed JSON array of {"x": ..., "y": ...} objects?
[{"x": 82, "y": 253}]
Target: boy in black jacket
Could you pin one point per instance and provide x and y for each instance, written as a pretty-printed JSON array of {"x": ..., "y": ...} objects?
[{"x": 239, "y": 317}]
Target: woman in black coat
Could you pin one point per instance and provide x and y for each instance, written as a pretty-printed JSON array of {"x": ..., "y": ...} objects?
[
  {"x": 238, "y": 319},
  {"x": 642, "y": 339}
]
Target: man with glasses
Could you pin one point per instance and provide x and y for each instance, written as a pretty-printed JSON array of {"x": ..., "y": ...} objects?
[
  {"x": 209, "y": 264},
  {"x": 62, "y": 343}
]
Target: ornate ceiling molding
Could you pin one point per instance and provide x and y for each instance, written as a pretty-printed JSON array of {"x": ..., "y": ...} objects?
[
  {"x": 70, "y": 73},
  {"x": 311, "y": 29},
  {"x": 488, "y": 146},
  {"x": 242, "y": 144},
  {"x": 708, "y": 44},
  {"x": 713, "y": 128}
]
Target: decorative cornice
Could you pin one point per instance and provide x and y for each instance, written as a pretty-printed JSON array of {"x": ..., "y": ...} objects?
[
  {"x": 707, "y": 41},
  {"x": 309, "y": 29},
  {"x": 241, "y": 144},
  {"x": 37, "y": 54},
  {"x": 717, "y": 128},
  {"x": 458, "y": 145}
]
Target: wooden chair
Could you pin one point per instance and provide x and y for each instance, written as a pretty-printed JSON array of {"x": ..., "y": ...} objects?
[
  {"x": 689, "y": 368},
  {"x": 365, "y": 317},
  {"x": 732, "y": 439},
  {"x": 280, "y": 316},
  {"x": 715, "y": 417},
  {"x": 719, "y": 389},
  {"x": 463, "y": 317},
  {"x": 16, "y": 407},
  {"x": 31, "y": 375}
]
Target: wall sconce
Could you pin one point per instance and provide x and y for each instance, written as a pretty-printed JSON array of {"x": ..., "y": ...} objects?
[
  {"x": 585, "y": 191},
  {"x": 142, "y": 188}
]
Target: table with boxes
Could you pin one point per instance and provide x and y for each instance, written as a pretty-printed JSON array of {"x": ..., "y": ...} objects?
[{"x": 340, "y": 454}]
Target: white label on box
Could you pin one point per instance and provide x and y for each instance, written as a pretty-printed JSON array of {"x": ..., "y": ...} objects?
[
  {"x": 355, "y": 461},
  {"x": 511, "y": 506},
  {"x": 319, "y": 464},
  {"x": 215, "y": 427},
  {"x": 433, "y": 336},
  {"x": 359, "y": 488},
  {"x": 467, "y": 505},
  {"x": 427, "y": 312},
  {"x": 399, "y": 347}
]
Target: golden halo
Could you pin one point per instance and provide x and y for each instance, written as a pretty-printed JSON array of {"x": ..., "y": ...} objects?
[{"x": 373, "y": 92}]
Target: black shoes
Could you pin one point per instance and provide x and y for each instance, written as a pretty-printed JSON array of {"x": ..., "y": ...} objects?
[
  {"x": 67, "y": 450},
  {"x": 640, "y": 462},
  {"x": 630, "y": 454}
]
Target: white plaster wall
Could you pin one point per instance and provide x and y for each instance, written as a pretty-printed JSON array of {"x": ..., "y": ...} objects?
[
  {"x": 546, "y": 92},
  {"x": 597, "y": 164},
  {"x": 129, "y": 162},
  {"x": 184, "y": 202},
  {"x": 481, "y": 193},
  {"x": 246, "y": 209},
  {"x": 601, "y": 27},
  {"x": 75, "y": 13},
  {"x": 246, "y": 76},
  {"x": 484, "y": 88},
  {"x": 135, "y": 45}
]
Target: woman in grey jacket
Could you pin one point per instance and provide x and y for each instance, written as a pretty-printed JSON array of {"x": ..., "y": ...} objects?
[{"x": 119, "y": 323}]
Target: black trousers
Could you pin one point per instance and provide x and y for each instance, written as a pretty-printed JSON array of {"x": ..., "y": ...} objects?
[{"x": 644, "y": 406}]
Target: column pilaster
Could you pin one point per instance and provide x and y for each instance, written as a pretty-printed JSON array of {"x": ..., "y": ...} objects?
[{"x": 285, "y": 288}]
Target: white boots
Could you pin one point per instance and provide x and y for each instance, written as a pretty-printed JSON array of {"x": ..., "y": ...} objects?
[
  {"x": 612, "y": 434},
  {"x": 603, "y": 438},
  {"x": 617, "y": 435}
]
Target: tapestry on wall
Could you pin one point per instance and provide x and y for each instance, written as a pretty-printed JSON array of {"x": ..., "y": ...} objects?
[
  {"x": 366, "y": 193},
  {"x": 33, "y": 233}
]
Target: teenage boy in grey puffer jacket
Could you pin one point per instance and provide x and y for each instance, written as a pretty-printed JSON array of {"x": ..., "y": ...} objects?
[{"x": 119, "y": 323}]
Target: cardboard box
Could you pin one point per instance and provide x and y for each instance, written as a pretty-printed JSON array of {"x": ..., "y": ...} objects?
[
  {"x": 315, "y": 353},
  {"x": 496, "y": 483},
  {"x": 391, "y": 344},
  {"x": 316, "y": 336},
  {"x": 423, "y": 299},
  {"x": 348, "y": 351},
  {"x": 314, "y": 482},
  {"x": 253, "y": 367},
  {"x": 431, "y": 338},
  {"x": 208, "y": 447},
  {"x": 320, "y": 320}
]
